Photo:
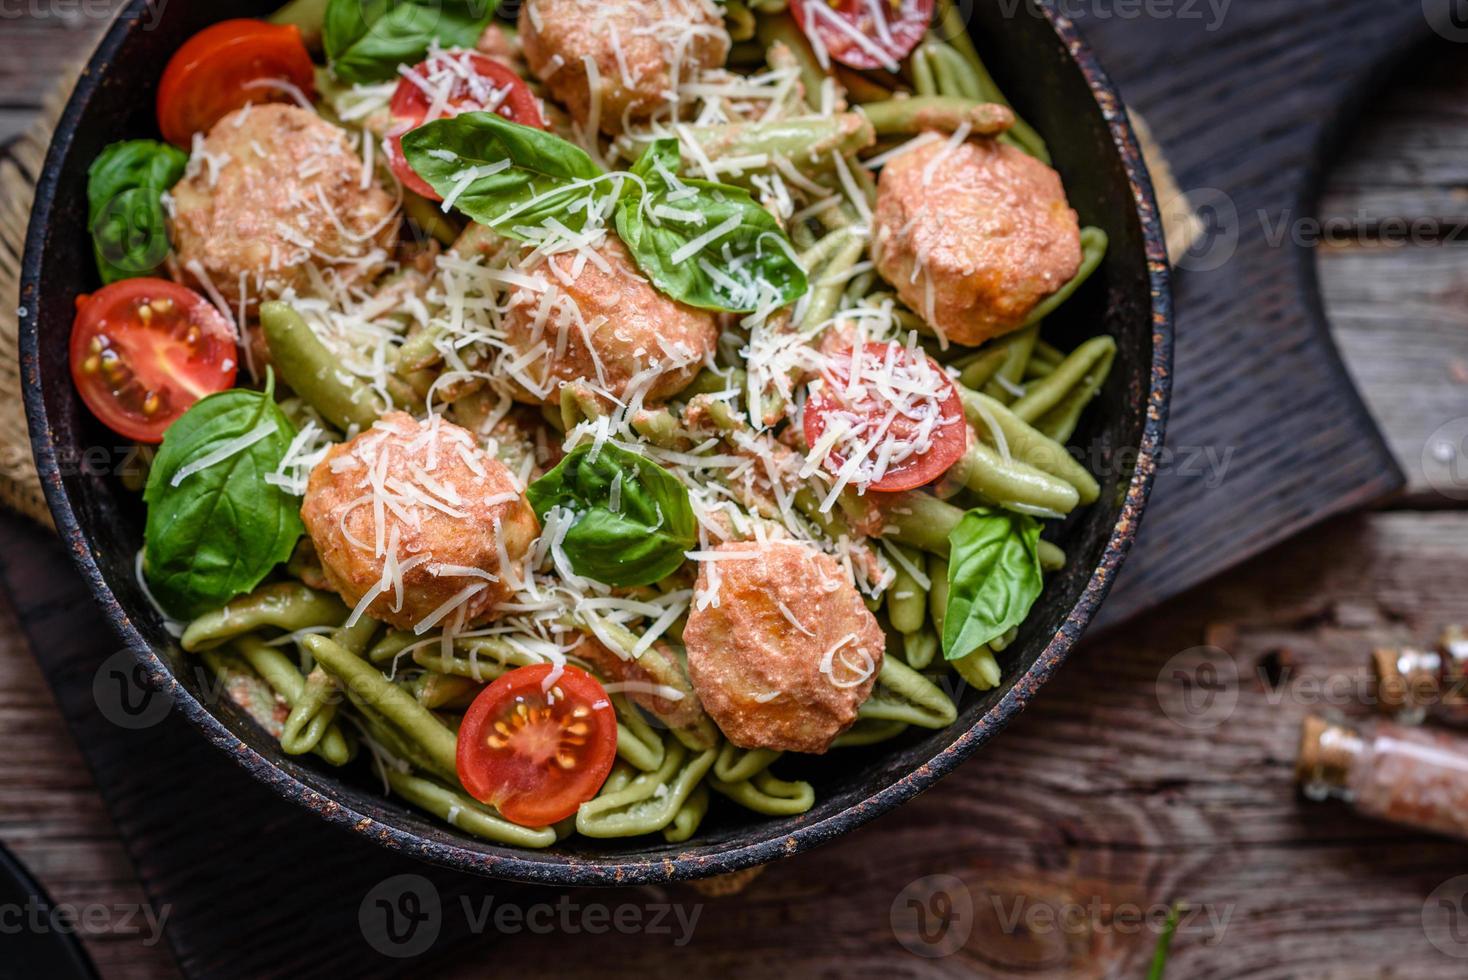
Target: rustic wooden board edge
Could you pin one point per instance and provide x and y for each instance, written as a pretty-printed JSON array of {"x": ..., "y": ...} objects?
[{"x": 1162, "y": 565}]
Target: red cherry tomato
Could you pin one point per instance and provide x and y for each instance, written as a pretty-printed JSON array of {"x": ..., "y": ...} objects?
[
  {"x": 536, "y": 755},
  {"x": 914, "y": 460},
  {"x": 865, "y": 34},
  {"x": 224, "y": 67},
  {"x": 144, "y": 350},
  {"x": 469, "y": 82}
]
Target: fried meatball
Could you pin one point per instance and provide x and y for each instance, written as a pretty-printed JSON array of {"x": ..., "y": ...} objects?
[
  {"x": 451, "y": 515},
  {"x": 606, "y": 325},
  {"x": 974, "y": 236},
  {"x": 272, "y": 191},
  {"x": 788, "y": 654},
  {"x": 642, "y": 49}
]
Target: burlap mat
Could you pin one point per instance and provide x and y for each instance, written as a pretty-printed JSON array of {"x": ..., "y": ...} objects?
[{"x": 20, "y": 487}]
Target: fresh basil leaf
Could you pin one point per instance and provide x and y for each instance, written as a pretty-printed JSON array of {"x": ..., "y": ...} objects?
[
  {"x": 125, "y": 188},
  {"x": 993, "y": 578},
  {"x": 222, "y": 528},
  {"x": 747, "y": 265},
  {"x": 639, "y": 542},
  {"x": 367, "y": 40},
  {"x": 546, "y": 176}
]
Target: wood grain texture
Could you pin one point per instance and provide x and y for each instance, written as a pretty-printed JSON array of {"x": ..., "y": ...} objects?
[
  {"x": 1244, "y": 111},
  {"x": 1094, "y": 800},
  {"x": 1394, "y": 271},
  {"x": 52, "y": 819}
]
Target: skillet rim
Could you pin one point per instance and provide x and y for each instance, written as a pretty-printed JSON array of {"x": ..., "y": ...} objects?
[{"x": 548, "y": 868}]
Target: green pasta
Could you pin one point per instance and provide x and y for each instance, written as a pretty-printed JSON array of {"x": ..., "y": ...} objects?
[
  {"x": 1059, "y": 423},
  {"x": 310, "y": 722},
  {"x": 735, "y": 765},
  {"x": 907, "y": 600},
  {"x": 979, "y": 669},
  {"x": 312, "y": 371},
  {"x": 638, "y": 744},
  {"x": 994, "y": 421},
  {"x": 955, "y": 76},
  {"x": 689, "y": 816},
  {"x": 919, "y": 648},
  {"x": 1052, "y": 558},
  {"x": 1012, "y": 483},
  {"x": 1018, "y": 346},
  {"x": 651, "y": 800},
  {"x": 245, "y": 688},
  {"x": 902, "y": 694},
  {"x": 392, "y": 703},
  {"x": 763, "y": 793},
  {"x": 869, "y": 731},
  {"x": 942, "y": 113},
  {"x": 464, "y": 813},
  {"x": 1043, "y": 396},
  {"x": 285, "y": 679},
  {"x": 287, "y": 606}
]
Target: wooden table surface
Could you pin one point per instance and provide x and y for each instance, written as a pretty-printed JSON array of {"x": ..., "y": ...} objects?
[{"x": 1095, "y": 804}]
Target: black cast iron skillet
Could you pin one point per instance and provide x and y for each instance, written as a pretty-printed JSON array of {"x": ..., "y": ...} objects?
[{"x": 1048, "y": 72}]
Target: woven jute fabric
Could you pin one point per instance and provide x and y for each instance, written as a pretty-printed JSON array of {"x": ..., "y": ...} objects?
[{"x": 20, "y": 165}]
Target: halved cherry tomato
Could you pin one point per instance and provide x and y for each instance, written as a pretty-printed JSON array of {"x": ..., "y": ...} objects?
[
  {"x": 468, "y": 82},
  {"x": 144, "y": 350},
  {"x": 224, "y": 67},
  {"x": 537, "y": 755},
  {"x": 868, "y": 405},
  {"x": 865, "y": 34}
]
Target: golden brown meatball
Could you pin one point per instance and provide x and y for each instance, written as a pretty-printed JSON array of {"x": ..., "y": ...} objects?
[
  {"x": 451, "y": 517},
  {"x": 974, "y": 236},
  {"x": 642, "y": 51},
  {"x": 608, "y": 326},
  {"x": 788, "y": 654},
  {"x": 272, "y": 191}
]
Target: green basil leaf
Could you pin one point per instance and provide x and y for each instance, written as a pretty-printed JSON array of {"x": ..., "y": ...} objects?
[
  {"x": 747, "y": 265},
  {"x": 640, "y": 542},
  {"x": 994, "y": 578},
  {"x": 367, "y": 40},
  {"x": 125, "y": 188},
  {"x": 223, "y": 528},
  {"x": 546, "y": 177}
]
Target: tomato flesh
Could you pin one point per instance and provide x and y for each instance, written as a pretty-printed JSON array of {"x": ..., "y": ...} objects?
[
  {"x": 460, "y": 81},
  {"x": 144, "y": 350},
  {"x": 870, "y": 406},
  {"x": 226, "y": 66},
  {"x": 537, "y": 755},
  {"x": 890, "y": 29}
]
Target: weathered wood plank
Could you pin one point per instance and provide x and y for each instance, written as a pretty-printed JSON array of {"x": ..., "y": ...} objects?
[
  {"x": 1409, "y": 158},
  {"x": 52, "y": 819},
  {"x": 34, "y": 52},
  {"x": 1394, "y": 270},
  {"x": 1400, "y": 316}
]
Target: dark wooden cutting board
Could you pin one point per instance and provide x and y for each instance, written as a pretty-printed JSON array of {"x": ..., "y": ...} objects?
[{"x": 1267, "y": 435}]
